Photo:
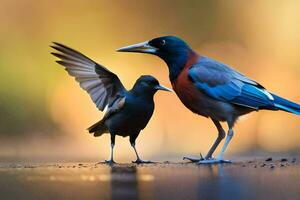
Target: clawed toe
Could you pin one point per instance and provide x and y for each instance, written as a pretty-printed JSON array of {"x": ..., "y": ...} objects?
[
  {"x": 109, "y": 162},
  {"x": 193, "y": 159},
  {"x": 139, "y": 161},
  {"x": 202, "y": 160},
  {"x": 213, "y": 161}
]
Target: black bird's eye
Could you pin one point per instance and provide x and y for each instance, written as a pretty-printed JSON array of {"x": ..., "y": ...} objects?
[
  {"x": 162, "y": 42},
  {"x": 149, "y": 82}
]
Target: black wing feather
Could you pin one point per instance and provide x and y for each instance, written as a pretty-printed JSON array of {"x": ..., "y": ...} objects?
[{"x": 101, "y": 84}]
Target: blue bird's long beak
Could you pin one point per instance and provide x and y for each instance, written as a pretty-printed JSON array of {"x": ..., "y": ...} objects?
[
  {"x": 142, "y": 47},
  {"x": 161, "y": 87}
]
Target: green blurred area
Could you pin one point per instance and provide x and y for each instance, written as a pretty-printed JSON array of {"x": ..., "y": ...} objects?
[{"x": 22, "y": 100}]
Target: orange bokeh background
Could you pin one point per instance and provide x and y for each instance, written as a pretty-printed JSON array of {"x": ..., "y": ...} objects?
[{"x": 259, "y": 38}]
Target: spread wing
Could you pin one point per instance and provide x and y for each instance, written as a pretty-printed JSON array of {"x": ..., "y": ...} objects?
[
  {"x": 117, "y": 105},
  {"x": 225, "y": 84},
  {"x": 102, "y": 85}
]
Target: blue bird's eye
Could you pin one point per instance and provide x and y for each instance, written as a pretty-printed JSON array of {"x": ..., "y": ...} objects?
[{"x": 162, "y": 42}]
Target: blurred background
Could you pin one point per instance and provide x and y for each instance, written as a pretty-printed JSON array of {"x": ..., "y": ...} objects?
[{"x": 44, "y": 113}]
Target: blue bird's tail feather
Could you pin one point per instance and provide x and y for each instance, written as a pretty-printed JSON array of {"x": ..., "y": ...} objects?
[{"x": 286, "y": 105}]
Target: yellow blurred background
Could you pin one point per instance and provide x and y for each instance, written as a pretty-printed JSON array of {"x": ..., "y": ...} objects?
[{"x": 44, "y": 113}]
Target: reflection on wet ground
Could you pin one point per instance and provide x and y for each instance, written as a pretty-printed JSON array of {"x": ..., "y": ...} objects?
[{"x": 256, "y": 179}]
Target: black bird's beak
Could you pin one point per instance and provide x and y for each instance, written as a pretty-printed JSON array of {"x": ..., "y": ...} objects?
[
  {"x": 161, "y": 87},
  {"x": 142, "y": 47}
]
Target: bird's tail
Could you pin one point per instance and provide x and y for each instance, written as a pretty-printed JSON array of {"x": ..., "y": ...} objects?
[
  {"x": 98, "y": 128},
  {"x": 286, "y": 105}
]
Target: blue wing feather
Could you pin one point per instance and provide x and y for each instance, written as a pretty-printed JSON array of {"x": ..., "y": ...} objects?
[
  {"x": 225, "y": 84},
  {"x": 253, "y": 97}
]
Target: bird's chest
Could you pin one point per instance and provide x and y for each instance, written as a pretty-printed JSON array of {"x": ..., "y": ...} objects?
[
  {"x": 140, "y": 111},
  {"x": 132, "y": 118},
  {"x": 190, "y": 96}
]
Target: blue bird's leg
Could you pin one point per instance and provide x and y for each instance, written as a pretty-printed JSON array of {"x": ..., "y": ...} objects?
[
  {"x": 221, "y": 135},
  {"x": 219, "y": 158},
  {"x": 224, "y": 147}
]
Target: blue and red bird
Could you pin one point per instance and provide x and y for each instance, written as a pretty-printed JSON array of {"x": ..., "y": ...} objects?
[{"x": 210, "y": 88}]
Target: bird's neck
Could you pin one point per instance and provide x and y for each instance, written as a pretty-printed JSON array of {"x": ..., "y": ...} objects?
[
  {"x": 141, "y": 93},
  {"x": 177, "y": 63}
]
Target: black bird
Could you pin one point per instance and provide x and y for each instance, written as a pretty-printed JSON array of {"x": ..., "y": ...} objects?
[{"x": 128, "y": 112}]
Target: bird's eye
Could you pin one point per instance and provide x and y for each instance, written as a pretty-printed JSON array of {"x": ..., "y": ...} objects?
[
  {"x": 162, "y": 42},
  {"x": 151, "y": 83}
]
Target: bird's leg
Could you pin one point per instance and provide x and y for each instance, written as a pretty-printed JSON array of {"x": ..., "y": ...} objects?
[
  {"x": 219, "y": 158},
  {"x": 138, "y": 159},
  {"x": 224, "y": 147},
  {"x": 221, "y": 135},
  {"x": 111, "y": 160}
]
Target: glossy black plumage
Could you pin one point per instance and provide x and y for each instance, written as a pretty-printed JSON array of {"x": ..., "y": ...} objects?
[{"x": 128, "y": 112}]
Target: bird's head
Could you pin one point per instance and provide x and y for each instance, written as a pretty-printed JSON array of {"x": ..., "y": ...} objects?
[
  {"x": 163, "y": 47},
  {"x": 173, "y": 50},
  {"x": 147, "y": 84}
]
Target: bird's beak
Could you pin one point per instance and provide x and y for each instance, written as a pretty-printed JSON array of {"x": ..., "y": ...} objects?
[
  {"x": 142, "y": 47},
  {"x": 161, "y": 87}
]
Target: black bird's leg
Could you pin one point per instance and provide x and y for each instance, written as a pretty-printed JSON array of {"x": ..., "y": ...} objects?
[
  {"x": 221, "y": 135},
  {"x": 138, "y": 159},
  {"x": 111, "y": 160}
]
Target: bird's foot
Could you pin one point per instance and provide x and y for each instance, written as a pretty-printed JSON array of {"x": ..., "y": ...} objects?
[
  {"x": 139, "y": 161},
  {"x": 109, "y": 162},
  {"x": 213, "y": 161},
  {"x": 193, "y": 159}
]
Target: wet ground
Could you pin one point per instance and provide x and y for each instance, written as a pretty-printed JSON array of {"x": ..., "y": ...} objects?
[{"x": 266, "y": 178}]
